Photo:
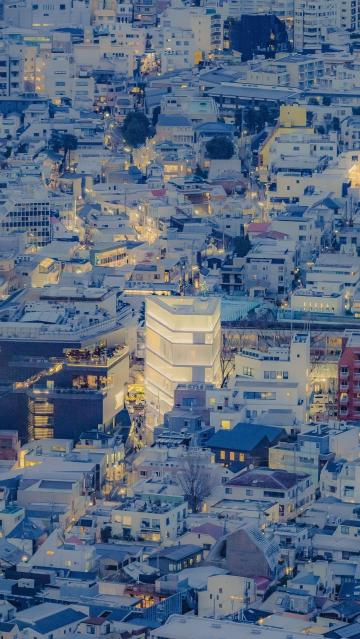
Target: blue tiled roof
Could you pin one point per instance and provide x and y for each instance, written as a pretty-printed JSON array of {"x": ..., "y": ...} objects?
[
  {"x": 173, "y": 120},
  {"x": 244, "y": 437},
  {"x": 335, "y": 465},
  {"x": 54, "y": 621},
  {"x": 215, "y": 128},
  {"x": 26, "y": 529}
]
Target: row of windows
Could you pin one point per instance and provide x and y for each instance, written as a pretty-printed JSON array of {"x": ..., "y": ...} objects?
[
  {"x": 264, "y": 395},
  {"x": 232, "y": 457}
]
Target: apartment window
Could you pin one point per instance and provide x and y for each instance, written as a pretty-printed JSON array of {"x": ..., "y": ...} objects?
[
  {"x": 226, "y": 424},
  {"x": 222, "y": 455},
  {"x": 345, "y": 530},
  {"x": 241, "y": 457},
  {"x": 273, "y": 493},
  {"x": 276, "y": 374},
  {"x": 265, "y": 395},
  {"x": 232, "y": 456}
]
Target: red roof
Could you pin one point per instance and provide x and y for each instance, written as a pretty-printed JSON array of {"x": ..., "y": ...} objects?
[
  {"x": 158, "y": 192},
  {"x": 274, "y": 235},
  {"x": 95, "y": 621}
]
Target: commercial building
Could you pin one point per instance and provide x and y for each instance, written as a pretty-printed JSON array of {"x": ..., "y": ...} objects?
[{"x": 182, "y": 345}]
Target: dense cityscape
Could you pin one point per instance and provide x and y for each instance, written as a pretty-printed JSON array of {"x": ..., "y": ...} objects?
[{"x": 180, "y": 319}]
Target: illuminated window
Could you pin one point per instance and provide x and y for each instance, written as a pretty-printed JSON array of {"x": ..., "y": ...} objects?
[
  {"x": 222, "y": 454},
  {"x": 241, "y": 457},
  {"x": 226, "y": 424},
  {"x": 232, "y": 456},
  {"x": 50, "y": 553}
]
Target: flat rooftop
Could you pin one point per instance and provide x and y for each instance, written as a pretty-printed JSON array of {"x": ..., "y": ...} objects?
[{"x": 183, "y": 627}]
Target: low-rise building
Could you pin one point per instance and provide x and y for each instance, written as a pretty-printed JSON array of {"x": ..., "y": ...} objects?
[
  {"x": 294, "y": 492},
  {"x": 149, "y": 518}
]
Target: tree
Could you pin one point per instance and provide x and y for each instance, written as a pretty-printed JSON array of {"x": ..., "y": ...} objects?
[
  {"x": 242, "y": 245},
  {"x": 70, "y": 143},
  {"x": 65, "y": 142},
  {"x": 335, "y": 125},
  {"x": 250, "y": 120},
  {"x": 197, "y": 479},
  {"x": 220, "y": 148},
  {"x": 105, "y": 534},
  {"x": 226, "y": 364},
  {"x": 136, "y": 129},
  {"x": 155, "y": 116},
  {"x": 200, "y": 173},
  {"x": 239, "y": 119}
]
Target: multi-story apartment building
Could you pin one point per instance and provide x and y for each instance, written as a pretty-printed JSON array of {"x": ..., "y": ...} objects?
[
  {"x": 294, "y": 492},
  {"x": 274, "y": 379},
  {"x": 311, "y": 20},
  {"x": 313, "y": 449},
  {"x": 157, "y": 519},
  {"x": 41, "y": 14},
  {"x": 335, "y": 275},
  {"x": 269, "y": 269},
  {"x": 348, "y": 14},
  {"x": 349, "y": 378},
  {"x": 340, "y": 479},
  {"x": 10, "y": 73}
]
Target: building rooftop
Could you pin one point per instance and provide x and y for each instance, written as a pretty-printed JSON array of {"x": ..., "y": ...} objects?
[
  {"x": 245, "y": 437},
  {"x": 267, "y": 478}
]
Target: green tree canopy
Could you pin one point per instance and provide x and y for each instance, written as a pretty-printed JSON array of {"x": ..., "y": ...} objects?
[
  {"x": 136, "y": 129},
  {"x": 220, "y": 148},
  {"x": 242, "y": 245},
  {"x": 65, "y": 142}
]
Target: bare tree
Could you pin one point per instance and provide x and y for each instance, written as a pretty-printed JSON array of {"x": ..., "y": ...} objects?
[
  {"x": 197, "y": 478},
  {"x": 227, "y": 365}
]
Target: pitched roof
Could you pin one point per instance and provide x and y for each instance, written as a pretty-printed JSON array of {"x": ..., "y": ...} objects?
[
  {"x": 267, "y": 478},
  {"x": 178, "y": 552},
  {"x": 53, "y": 621},
  {"x": 26, "y": 529},
  {"x": 244, "y": 436}
]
